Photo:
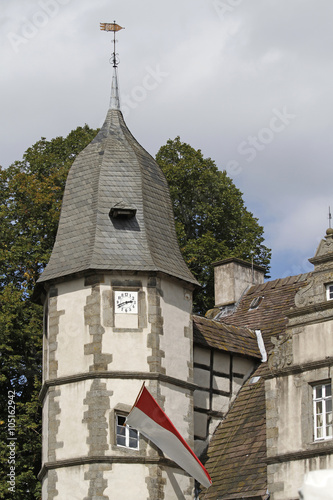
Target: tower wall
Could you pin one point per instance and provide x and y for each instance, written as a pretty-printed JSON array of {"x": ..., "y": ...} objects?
[{"x": 95, "y": 361}]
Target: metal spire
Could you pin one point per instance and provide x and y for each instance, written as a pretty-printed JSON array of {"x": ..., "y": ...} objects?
[
  {"x": 114, "y": 100},
  {"x": 329, "y": 218}
]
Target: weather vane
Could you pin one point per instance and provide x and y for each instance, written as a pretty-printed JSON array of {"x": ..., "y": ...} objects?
[{"x": 112, "y": 27}]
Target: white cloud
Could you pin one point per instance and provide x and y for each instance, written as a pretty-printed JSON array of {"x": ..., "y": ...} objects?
[{"x": 226, "y": 75}]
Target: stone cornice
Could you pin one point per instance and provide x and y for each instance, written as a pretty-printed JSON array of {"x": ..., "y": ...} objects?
[
  {"x": 71, "y": 379},
  {"x": 295, "y": 369},
  {"x": 75, "y": 462},
  {"x": 97, "y": 276},
  {"x": 313, "y": 308},
  {"x": 322, "y": 259},
  {"x": 242, "y": 262},
  {"x": 317, "y": 451}
]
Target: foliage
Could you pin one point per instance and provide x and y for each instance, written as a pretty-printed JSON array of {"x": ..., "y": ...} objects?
[
  {"x": 30, "y": 200},
  {"x": 20, "y": 383},
  {"x": 212, "y": 222}
]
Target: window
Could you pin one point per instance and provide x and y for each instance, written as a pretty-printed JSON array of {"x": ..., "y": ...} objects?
[
  {"x": 255, "y": 303},
  {"x": 322, "y": 411},
  {"x": 125, "y": 436},
  {"x": 329, "y": 291}
]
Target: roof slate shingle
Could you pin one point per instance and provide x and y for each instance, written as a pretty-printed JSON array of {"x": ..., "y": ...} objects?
[{"x": 114, "y": 169}]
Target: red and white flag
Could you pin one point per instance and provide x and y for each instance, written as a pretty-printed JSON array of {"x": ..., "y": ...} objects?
[{"x": 148, "y": 417}]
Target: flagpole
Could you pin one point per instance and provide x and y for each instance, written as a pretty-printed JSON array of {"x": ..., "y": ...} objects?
[{"x": 137, "y": 399}]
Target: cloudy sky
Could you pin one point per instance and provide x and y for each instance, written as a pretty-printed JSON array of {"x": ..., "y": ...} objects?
[{"x": 249, "y": 82}]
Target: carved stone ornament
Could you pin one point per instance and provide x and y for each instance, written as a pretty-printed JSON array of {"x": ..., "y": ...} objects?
[
  {"x": 315, "y": 291},
  {"x": 281, "y": 355},
  {"x": 325, "y": 246},
  {"x": 304, "y": 296}
]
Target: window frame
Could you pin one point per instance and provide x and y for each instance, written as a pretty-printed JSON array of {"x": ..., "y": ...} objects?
[
  {"x": 256, "y": 303},
  {"x": 329, "y": 291},
  {"x": 324, "y": 400},
  {"x": 126, "y": 434}
]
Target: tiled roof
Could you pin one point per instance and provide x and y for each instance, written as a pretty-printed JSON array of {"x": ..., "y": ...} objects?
[
  {"x": 114, "y": 170},
  {"x": 236, "y": 455},
  {"x": 235, "y": 339},
  {"x": 271, "y": 315}
]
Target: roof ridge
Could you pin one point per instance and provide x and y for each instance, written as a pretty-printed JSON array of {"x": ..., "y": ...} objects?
[
  {"x": 95, "y": 203},
  {"x": 219, "y": 322},
  {"x": 278, "y": 282}
]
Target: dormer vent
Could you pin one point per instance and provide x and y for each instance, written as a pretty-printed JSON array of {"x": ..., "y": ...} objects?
[
  {"x": 255, "y": 303},
  {"x": 122, "y": 211}
]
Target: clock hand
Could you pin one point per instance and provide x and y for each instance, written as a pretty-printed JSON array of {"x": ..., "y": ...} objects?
[{"x": 124, "y": 303}]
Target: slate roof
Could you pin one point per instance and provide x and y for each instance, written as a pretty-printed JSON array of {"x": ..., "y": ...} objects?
[
  {"x": 115, "y": 170},
  {"x": 236, "y": 454},
  {"x": 237, "y": 340}
]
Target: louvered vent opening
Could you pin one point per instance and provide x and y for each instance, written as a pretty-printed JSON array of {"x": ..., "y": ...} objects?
[{"x": 122, "y": 213}]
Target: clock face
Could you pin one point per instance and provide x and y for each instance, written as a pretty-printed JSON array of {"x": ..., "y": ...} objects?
[{"x": 126, "y": 302}]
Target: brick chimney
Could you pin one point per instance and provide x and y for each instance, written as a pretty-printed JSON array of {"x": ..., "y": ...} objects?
[{"x": 232, "y": 277}]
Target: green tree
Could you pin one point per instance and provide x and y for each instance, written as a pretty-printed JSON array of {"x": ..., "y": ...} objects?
[
  {"x": 30, "y": 200},
  {"x": 212, "y": 222}
]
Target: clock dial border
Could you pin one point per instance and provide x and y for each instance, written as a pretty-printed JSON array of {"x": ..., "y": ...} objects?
[{"x": 128, "y": 298}]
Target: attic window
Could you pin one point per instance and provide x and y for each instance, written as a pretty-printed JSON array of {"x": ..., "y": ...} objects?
[
  {"x": 329, "y": 291},
  {"x": 122, "y": 213},
  {"x": 255, "y": 303},
  {"x": 254, "y": 380}
]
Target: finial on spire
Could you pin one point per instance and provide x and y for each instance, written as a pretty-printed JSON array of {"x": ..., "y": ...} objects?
[
  {"x": 329, "y": 218},
  {"x": 114, "y": 101}
]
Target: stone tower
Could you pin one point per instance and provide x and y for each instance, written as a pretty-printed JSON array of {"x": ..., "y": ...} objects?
[{"x": 117, "y": 298}]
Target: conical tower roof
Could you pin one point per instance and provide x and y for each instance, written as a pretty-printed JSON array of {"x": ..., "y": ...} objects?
[{"x": 116, "y": 213}]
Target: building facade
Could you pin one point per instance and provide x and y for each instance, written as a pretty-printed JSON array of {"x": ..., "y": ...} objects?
[
  {"x": 299, "y": 389},
  {"x": 279, "y": 426}
]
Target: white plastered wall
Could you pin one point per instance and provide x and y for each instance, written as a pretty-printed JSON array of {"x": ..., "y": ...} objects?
[
  {"x": 125, "y": 483},
  {"x": 178, "y": 486},
  {"x": 73, "y": 333},
  {"x": 177, "y": 406},
  {"x": 314, "y": 342},
  {"x": 129, "y": 353},
  {"x": 176, "y": 305},
  {"x": 72, "y": 432},
  {"x": 71, "y": 484},
  {"x": 292, "y": 475},
  {"x": 128, "y": 348},
  {"x": 288, "y": 428},
  {"x": 289, "y": 407}
]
